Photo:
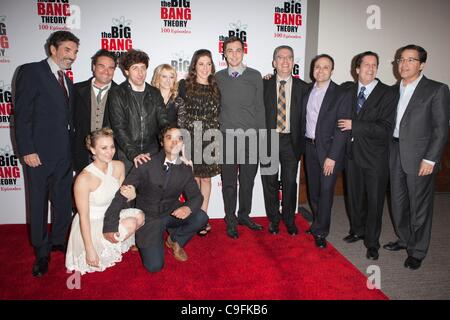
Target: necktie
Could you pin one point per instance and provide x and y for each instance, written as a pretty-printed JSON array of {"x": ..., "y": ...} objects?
[
  {"x": 361, "y": 99},
  {"x": 281, "y": 107},
  {"x": 234, "y": 74},
  {"x": 99, "y": 94},
  {"x": 61, "y": 82}
]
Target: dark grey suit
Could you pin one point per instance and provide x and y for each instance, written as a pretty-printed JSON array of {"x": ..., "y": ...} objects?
[
  {"x": 329, "y": 143},
  {"x": 43, "y": 125},
  {"x": 422, "y": 135},
  {"x": 366, "y": 163},
  {"x": 291, "y": 147}
]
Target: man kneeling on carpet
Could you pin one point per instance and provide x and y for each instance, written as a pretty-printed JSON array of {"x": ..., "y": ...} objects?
[{"x": 159, "y": 184}]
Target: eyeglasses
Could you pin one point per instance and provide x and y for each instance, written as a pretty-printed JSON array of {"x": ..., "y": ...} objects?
[{"x": 408, "y": 60}]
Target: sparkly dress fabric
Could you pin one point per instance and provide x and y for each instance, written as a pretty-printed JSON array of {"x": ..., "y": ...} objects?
[
  {"x": 99, "y": 200},
  {"x": 200, "y": 106}
]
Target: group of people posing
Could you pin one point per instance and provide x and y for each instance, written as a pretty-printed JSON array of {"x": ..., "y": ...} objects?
[{"x": 135, "y": 181}]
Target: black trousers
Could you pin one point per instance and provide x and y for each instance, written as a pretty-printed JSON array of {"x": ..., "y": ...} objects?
[
  {"x": 412, "y": 200},
  {"x": 245, "y": 173},
  {"x": 320, "y": 191},
  {"x": 271, "y": 185},
  {"x": 181, "y": 231},
  {"x": 54, "y": 179},
  {"x": 366, "y": 190}
]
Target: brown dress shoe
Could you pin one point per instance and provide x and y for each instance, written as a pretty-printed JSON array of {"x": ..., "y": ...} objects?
[{"x": 178, "y": 252}]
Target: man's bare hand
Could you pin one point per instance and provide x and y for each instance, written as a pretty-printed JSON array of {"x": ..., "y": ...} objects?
[
  {"x": 32, "y": 160},
  {"x": 111, "y": 236},
  {"x": 328, "y": 166},
  {"x": 425, "y": 169},
  {"x": 141, "y": 159},
  {"x": 345, "y": 124},
  {"x": 182, "y": 212}
]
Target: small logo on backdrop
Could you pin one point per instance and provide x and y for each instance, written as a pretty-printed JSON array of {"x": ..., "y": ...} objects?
[
  {"x": 176, "y": 16},
  {"x": 374, "y": 278},
  {"x": 6, "y": 108},
  {"x": 119, "y": 39},
  {"x": 288, "y": 19},
  {"x": 4, "y": 41},
  {"x": 236, "y": 29},
  {"x": 180, "y": 61},
  {"x": 58, "y": 15},
  {"x": 295, "y": 69},
  {"x": 10, "y": 175}
]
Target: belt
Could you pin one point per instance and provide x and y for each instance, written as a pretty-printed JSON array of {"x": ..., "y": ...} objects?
[
  {"x": 309, "y": 140},
  {"x": 395, "y": 139}
]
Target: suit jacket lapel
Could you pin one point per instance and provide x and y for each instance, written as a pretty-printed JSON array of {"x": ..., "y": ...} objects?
[
  {"x": 416, "y": 96},
  {"x": 293, "y": 110},
  {"x": 54, "y": 86},
  {"x": 274, "y": 109},
  {"x": 372, "y": 100}
]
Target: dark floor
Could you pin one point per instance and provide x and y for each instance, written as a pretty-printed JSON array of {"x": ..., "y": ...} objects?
[{"x": 431, "y": 281}]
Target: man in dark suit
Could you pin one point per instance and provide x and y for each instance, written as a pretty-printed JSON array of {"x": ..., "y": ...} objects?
[
  {"x": 419, "y": 137},
  {"x": 323, "y": 105},
  {"x": 283, "y": 104},
  {"x": 43, "y": 128},
  {"x": 159, "y": 184},
  {"x": 91, "y": 104},
  {"x": 366, "y": 164}
]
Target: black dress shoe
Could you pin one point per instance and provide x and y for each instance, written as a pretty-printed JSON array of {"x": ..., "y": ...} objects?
[
  {"x": 394, "y": 246},
  {"x": 292, "y": 230},
  {"x": 352, "y": 238},
  {"x": 412, "y": 263},
  {"x": 308, "y": 231},
  {"x": 232, "y": 232},
  {"x": 59, "y": 247},
  {"x": 320, "y": 242},
  {"x": 40, "y": 267},
  {"x": 274, "y": 228},
  {"x": 372, "y": 254},
  {"x": 250, "y": 224}
]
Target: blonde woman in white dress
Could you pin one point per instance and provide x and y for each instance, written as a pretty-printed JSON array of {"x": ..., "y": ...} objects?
[{"x": 94, "y": 189}]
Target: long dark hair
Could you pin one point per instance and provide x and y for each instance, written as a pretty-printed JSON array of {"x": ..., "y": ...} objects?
[{"x": 191, "y": 78}]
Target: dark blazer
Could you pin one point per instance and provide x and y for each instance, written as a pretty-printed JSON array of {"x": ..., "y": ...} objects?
[
  {"x": 299, "y": 88},
  {"x": 329, "y": 139},
  {"x": 43, "y": 115},
  {"x": 372, "y": 127},
  {"x": 156, "y": 197},
  {"x": 424, "y": 125},
  {"x": 82, "y": 121}
]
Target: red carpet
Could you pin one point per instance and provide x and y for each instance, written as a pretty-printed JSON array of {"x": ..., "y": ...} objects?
[{"x": 256, "y": 266}]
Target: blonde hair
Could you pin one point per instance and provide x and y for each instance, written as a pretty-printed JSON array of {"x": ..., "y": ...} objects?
[
  {"x": 92, "y": 137},
  {"x": 156, "y": 79}
]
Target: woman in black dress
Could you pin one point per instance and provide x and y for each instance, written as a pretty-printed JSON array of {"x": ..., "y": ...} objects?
[{"x": 201, "y": 107}]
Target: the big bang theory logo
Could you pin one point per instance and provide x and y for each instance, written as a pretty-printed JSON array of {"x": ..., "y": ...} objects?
[
  {"x": 119, "y": 39},
  {"x": 238, "y": 30},
  {"x": 287, "y": 19},
  {"x": 4, "y": 42},
  {"x": 54, "y": 14},
  {"x": 10, "y": 175},
  {"x": 6, "y": 108},
  {"x": 175, "y": 15}
]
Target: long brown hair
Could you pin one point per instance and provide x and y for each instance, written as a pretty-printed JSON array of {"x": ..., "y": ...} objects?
[{"x": 191, "y": 78}]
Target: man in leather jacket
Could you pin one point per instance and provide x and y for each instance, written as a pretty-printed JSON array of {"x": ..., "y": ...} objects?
[{"x": 137, "y": 112}]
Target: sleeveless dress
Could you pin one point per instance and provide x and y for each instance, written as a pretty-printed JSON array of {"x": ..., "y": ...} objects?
[{"x": 99, "y": 200}]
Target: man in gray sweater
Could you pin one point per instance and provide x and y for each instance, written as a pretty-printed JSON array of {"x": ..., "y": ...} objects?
[{"x": 241, "y": 116}]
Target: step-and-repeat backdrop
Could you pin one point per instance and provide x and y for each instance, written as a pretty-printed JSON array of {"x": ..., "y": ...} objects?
[{"x": 169, "y": 31}]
